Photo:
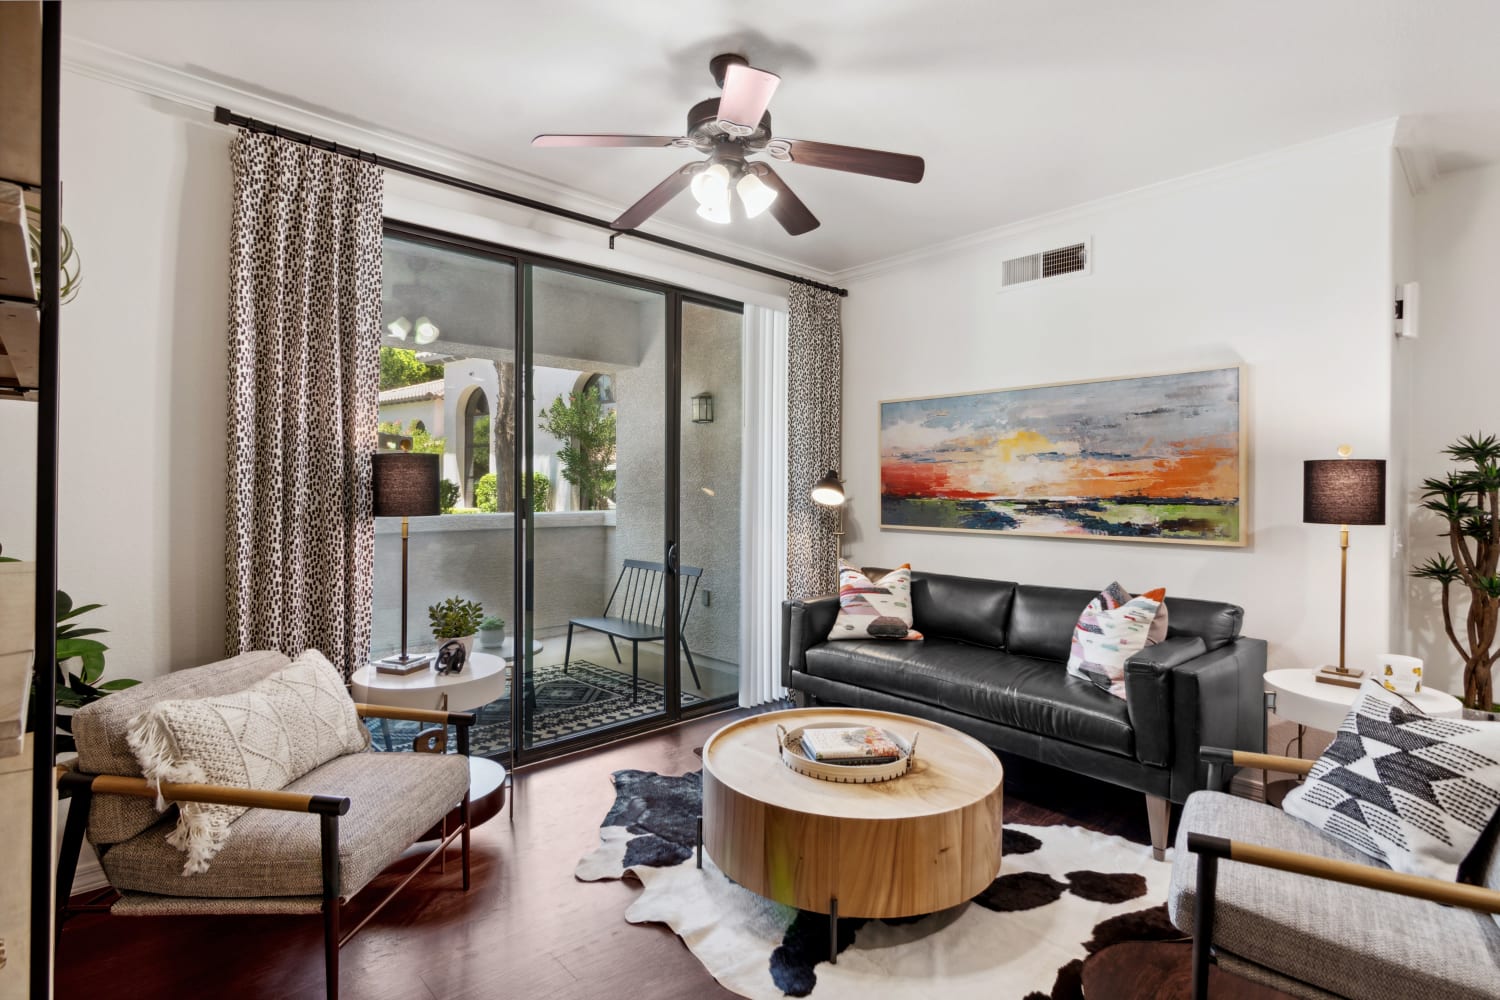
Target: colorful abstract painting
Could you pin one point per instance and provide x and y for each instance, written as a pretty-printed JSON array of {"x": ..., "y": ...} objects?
[{"x": 1158, "y": 458}]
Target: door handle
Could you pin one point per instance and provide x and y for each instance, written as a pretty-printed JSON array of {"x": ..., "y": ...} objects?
[{"x": 672, "y": 557}]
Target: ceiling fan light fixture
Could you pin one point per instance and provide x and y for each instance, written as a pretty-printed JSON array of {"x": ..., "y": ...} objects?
[
  {"x": 755, "y": 194},
  {"x": 711, "y": 188}
]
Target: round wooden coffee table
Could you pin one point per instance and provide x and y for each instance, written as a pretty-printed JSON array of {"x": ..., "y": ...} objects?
[{"x": 914, "y": 845}]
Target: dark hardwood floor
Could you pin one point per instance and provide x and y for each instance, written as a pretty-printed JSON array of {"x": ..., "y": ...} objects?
[{"x": 526, "y": 929}]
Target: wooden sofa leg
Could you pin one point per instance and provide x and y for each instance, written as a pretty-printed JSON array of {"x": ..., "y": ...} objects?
[{"x": 1159, "y": 816}]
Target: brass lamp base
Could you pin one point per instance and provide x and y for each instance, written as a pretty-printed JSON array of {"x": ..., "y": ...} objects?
[{"x": 1341, "y": 676}]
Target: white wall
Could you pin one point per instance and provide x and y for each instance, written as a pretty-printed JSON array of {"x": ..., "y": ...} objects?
[
  {"x": 1282, "y": 263},
  {"x": 1453, "y": 370}
]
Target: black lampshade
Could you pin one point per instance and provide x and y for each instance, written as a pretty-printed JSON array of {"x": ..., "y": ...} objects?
[
  {"x": 406, "y": 484},
  {"x": 1343, "y": 491}
]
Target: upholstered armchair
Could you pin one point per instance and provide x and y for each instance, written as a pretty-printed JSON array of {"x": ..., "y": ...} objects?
[
  {"x": 305, "y": 849},
  {"x": 1274, "y": 900}
]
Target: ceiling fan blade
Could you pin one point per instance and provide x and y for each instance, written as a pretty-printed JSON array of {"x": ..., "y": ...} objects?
[
  {"x": 787, "y": 208},
  {"x": 747, "y": 94},
  {"x": 656, "y": 199},
  {"x": 874, "y": 162},
  {"x": 605, "y": 139}
]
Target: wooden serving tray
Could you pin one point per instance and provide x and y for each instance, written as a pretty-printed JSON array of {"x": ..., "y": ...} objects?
[{"x": 789, "y": 744}]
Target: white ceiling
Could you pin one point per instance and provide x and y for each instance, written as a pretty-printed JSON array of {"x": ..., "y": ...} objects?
[{"x": 1019, "y": 108}]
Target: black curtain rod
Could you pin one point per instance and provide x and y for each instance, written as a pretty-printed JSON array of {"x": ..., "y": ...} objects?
[{"x": 224, "y": 116}]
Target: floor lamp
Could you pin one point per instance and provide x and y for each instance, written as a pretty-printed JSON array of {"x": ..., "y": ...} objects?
[
  {"x": 1343, "y": 491},
  {"x": 829, "y": 492},
  {"x": 406, "y": 485}
]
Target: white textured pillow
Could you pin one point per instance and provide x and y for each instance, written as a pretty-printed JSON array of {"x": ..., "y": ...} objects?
[
  {"x": 264, "y": 737},
  {"x": 874, "y": 610},
  {"x": 1407, "y": 789}
]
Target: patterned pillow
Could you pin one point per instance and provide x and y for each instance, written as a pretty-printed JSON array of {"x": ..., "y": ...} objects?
[
  {"x": 264, "y": 737},
  {"x": 880, "y": 610},
  {"x": 1112, "y": 629},
  {"x": 1407, "y": 789}
]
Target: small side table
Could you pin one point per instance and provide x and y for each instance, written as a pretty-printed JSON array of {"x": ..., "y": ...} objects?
[
  {"x": 1298, "y": 696},
  {"x": 480, "y": 682}
]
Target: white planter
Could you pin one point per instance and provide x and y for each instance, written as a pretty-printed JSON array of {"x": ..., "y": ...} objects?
[
  {"x": 492, "y": 638},
  {"x": 467, "y": 640}
]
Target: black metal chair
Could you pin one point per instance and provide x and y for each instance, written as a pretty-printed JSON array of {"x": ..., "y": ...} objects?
[{"x": 639, "y": 613}]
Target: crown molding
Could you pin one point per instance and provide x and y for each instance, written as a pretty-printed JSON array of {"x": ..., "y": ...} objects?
[
  {"x": 1380, "y": 134},
  {"x": 202, "y": 94}
]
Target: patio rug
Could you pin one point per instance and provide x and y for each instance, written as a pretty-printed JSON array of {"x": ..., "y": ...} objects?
[
  {"x": 1063, "y": 893},
  {"x": 587, "y": 697}
]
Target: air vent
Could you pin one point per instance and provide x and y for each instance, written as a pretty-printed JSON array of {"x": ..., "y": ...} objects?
[{"x": 1071, "y": 259}]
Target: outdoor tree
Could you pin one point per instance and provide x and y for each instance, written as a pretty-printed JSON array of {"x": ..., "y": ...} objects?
[
  {"x": 587, "y": 431},
  {"x": 1468, "y": 500},
  {"x": 399, "y": 367}
]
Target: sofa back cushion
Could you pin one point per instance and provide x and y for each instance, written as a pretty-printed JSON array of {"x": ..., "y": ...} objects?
[
  {"x": 100, "y": 731},
  {"x": 1042, "y": 621},
  {"x": 963, "y": 608},
  {"x": 1215, "y": 622}
]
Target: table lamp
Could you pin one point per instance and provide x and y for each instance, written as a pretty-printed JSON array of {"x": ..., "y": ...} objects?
[
  {"x": 406, "y": 485},
  {"x": 829, "y": 492},
  {"x": 1343, "y": 491}
]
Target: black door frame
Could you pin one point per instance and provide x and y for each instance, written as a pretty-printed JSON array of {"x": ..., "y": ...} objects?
[{"x": 523, "y": 564}]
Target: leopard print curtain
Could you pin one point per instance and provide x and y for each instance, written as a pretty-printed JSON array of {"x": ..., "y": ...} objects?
[
  {"x": 815, "y": 367},
  {"x": 304, "y": 337}
]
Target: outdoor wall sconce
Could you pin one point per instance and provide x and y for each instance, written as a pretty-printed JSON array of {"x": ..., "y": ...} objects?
[{"x": 703, "y": 408}]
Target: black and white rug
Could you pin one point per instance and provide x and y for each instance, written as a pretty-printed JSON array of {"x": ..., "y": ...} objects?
[
  {"x": 1063, "y": 893},
  {"x": 587, "y": 697}
]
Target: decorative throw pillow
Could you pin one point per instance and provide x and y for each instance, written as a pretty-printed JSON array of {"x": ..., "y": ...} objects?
[
  {"x": 878, "y": 610},
  {"x": 1407, "y": 789},
  {"x": 264, "y": 737},
  {"x": 1112, "y": 629}
]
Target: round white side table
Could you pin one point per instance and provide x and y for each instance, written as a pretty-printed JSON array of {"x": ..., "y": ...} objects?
[
  {"x": 1296, "y": 695},
  {"x": 480, "y": 682}
]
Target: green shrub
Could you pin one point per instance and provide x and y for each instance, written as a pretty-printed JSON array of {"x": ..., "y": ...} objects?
[
  {"x": 447, "y": 495},
  {"x": 541, "y": 492},
  {"x": 486, "y": 493}
]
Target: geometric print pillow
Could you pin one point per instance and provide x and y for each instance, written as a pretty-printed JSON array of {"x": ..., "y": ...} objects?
[
  {"x": 1112, "y": 629},
  {"x": 1409, "y": 790},
  {"x": 874, "y": 610},
  {"x": 263, "y": 737}
]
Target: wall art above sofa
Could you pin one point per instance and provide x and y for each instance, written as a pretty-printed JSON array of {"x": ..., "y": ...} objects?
[{"x": 1158, "y": 458}]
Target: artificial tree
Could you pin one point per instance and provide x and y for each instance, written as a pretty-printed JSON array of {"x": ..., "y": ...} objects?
[{"x": 1468, "y": 499}]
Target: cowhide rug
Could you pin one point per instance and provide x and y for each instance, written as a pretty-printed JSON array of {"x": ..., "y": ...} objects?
[{"x": 1063, "y": 893}]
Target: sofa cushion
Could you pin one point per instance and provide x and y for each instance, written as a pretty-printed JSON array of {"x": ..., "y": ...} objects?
[
  {"x": 1342, "y": 939},
  {"x": 273, "y": 732},
  {"x": 100, "y": 728},
  {"x": 1042, "y": 620},
  {"x": 393, "y": 799},
  {"x": 1025, "y": 693},
  {"x": 962, "y": 608},
  {"x": 1215, "y": 622}
]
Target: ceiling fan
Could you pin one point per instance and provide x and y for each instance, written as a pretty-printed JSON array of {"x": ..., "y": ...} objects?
[{"x": 730, "y": 129}]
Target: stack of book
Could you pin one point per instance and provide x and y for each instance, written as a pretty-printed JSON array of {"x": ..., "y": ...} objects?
[{"x": 849, "y": 745}]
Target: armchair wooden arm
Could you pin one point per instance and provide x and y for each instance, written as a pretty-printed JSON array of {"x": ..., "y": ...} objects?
[
  {"x": 1217, "y": 757},
  {"x": 1211, "y": 850},
  {"x": 414, "y": 714},
  {"x": 251, "y": 798}
]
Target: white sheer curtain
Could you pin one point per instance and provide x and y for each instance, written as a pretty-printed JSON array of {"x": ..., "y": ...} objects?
[{"x": 763, "y": 504}]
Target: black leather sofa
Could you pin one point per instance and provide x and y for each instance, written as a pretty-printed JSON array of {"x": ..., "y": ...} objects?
[{"x": 993, "y": 664}]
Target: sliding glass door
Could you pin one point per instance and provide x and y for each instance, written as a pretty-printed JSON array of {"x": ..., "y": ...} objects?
[{"x": 589, "y": 430}]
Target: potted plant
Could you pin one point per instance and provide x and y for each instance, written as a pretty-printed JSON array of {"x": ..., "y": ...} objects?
[
  {"x": 491, "y": 632},
  {"x": 455, "y": 618},
  {"x": 1468, "y": 500}
]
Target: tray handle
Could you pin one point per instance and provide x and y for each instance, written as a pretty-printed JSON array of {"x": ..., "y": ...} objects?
[
  {"x": 781, "y": 735},
  {"x": 911, "y": 754}
]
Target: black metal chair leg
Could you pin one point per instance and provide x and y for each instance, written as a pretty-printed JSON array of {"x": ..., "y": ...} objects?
[
  {"x": 691, "y": 666},
  {"x": 567, "y": 649},
  {"x": 331, "y": 902},
  {"x": 615, "y": 648},
  {"x": 635, "y": 670},
  {"x": 1208, "y": 849},
  {"x": 464, "y": 838},
  {"x": 81, "y": 796}
]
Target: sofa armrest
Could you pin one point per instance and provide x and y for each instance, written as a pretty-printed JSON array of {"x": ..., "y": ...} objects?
[
  {"x": 75, "y": 782},
  {"x": 804, "y": 624},
  {"x": 1148, "y": 694},
  {"x": 1217, "y": 699}
]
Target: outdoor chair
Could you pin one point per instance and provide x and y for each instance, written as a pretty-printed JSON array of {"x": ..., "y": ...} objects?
[
  {"x": 1274, "y": 900},
  {"x": 305, "y": 849},
  {"x": 638, "y": 612}
]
